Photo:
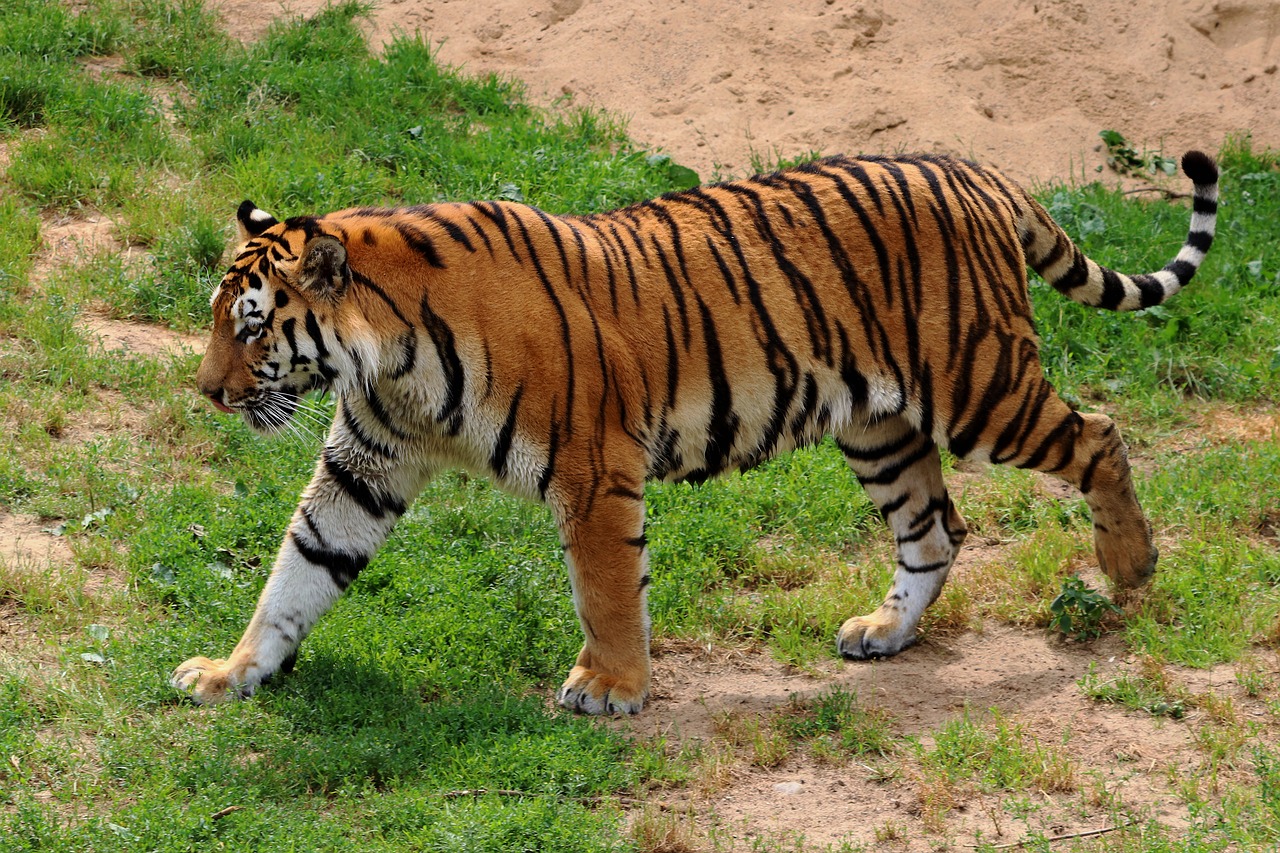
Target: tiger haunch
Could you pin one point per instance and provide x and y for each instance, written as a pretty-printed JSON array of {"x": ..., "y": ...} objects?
[{"x": 882, "y": 301}]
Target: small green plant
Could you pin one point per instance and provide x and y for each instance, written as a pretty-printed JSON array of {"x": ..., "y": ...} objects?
[
  {"x": 1266, "y": 764},
  {"x": 1127, "y": 160},
  {"x": 837, "y": 725},
  {"x": 1079, "y": 610},
  {"x": 1147, "y": 690}
]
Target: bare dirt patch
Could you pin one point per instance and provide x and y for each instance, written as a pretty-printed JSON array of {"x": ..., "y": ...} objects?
[
  {"x": 25, "y": 541},
  {"x": 1116, "y": 755},
  {"x": 69, "y": 240},
  {"x": 141, "y": 338}
]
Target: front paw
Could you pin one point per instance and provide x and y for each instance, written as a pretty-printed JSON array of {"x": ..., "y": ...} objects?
[
  {"x": 879, "y": 635},
  {"x": 589, "y": 692},
  {"x": 211, "y": 682}
]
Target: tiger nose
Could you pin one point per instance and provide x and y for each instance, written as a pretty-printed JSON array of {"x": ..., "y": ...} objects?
[{"x": 215, "y": 397}]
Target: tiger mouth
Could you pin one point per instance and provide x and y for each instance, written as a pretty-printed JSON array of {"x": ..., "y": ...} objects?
[{"x": 272, "y": 412}]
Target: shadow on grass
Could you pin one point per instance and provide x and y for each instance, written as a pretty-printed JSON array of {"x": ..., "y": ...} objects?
[{"x": 338, "y": 724}]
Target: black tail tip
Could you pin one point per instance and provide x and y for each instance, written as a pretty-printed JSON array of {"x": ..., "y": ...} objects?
[{"x": 1200, "y": 168}]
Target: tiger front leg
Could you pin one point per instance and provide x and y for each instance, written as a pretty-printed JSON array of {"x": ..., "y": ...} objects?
[
  {"x": 902, "y": 473},
  {"x": 296, "y": 595},
  {"x": 340, "y": 523},
  {"x": 607, "y": 557}
]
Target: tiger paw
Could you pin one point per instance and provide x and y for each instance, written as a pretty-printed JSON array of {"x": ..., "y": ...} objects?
[
  {"x": 881, "y": 634},
  {"x": 211, "y": 682},
  {"x": 1128, "y": 562},
  {"x": 589, "y": 692}
]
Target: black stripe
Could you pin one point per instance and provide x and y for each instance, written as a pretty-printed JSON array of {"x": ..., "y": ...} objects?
[
  {"x": 322, "y": 352},
  {"x": 495, "y": 213},
  {"x": 498, "y": 460},
  {"x": 549, "y": 470},
  {"x": 1201, "y": 240},
  {"x": 606, "y": 252},
  {"x": 940, "y": 209},
  {"x": 920, "y": 532},
  {"x": 888, "y": 508},
  {"x": 1112, "y": 290},
  {"x": 677, "y": 242},
  {"x": 418, "y": 240},
  {"x": 1029, "y": 408},
  {"x": 1086, "y": 477},
  {"x": 810, "y": 399},
  {"x": 1000, "y": 384},
  {"x": 859, "y": 388},
  {"x": 805, "y": 293},
  {"x": 1151, "y": 291},
  {"x": 624, "y": 492},
  {"x": 1184, "y": 270},
  {"x": 1204, "y": 205},
  {"x": 408, "y": 337},
  {"x": 926, "y": 567},
  {"x": 781, "y": 362},
  {"x": 565, "y": 329},
  {"x": 723, "y": 428},
  {"x": 725, "y": 273},
  {"x": 1072, "y": 423},
  {"x": 559, "y": 241},
  {"x": 1054, "y": 255},
  {"x": 1075, "y": 276},
  {"x": 892, "y": 472},
  {"x": 342, "y": 568},
  {"x": 289, "y": 328},
  {"x": 381, "y": 414},
  {"x": 451, "y": 364},
  {"x": 475, "y": 226},
  {"x": 682, "y": 308},
  {"x": 874, "y": 454},
  {"x": 935, "y": 504},
  {"x": 451, "y": 228},
  {"x": 362, "y": 437},
  {"x": 359, "y": 491}
]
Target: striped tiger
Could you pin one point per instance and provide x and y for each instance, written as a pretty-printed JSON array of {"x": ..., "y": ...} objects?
[{"x": 879, "y": 300}]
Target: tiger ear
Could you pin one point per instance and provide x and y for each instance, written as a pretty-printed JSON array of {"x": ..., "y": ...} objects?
[
  {"x": 250, "y": 221},
  {"x": 322, "y": 270}
]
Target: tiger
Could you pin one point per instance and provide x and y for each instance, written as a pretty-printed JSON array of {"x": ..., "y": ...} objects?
[{"x": 879, "y": 300}]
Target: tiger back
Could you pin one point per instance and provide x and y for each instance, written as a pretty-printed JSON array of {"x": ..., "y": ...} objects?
[{"x": 882, "y": 301}]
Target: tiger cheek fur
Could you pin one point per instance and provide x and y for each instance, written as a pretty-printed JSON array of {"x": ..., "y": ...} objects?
[{"x": 879, "y": 301}]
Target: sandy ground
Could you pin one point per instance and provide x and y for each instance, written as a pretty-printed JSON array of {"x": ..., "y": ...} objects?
[{"x": 1025, "y": 85}]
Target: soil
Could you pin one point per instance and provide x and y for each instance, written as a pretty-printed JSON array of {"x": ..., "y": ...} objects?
[{"x": 1024, "y": 85}]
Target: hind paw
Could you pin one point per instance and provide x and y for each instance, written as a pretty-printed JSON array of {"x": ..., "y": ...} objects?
[
  {"x": 879, "y": 635},
  {"x": 589, "y": 692}
]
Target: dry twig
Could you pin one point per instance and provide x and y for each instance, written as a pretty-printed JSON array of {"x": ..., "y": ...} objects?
[{"x": 1088, "y": 833}]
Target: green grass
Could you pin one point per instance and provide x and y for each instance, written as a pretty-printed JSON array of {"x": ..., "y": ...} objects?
[{"x": 423, "y": 694}]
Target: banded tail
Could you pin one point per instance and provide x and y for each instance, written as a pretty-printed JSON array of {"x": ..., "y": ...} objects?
[{"x": 1051, "y": 253}]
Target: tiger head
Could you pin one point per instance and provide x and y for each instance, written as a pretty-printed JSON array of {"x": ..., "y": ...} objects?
[{"x": 274, "y": 314}]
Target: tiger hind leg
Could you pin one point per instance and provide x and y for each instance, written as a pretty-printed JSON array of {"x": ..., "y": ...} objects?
[
  {"x": 1086, "y": 451},
  {"x": 901, "y": 471}
]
